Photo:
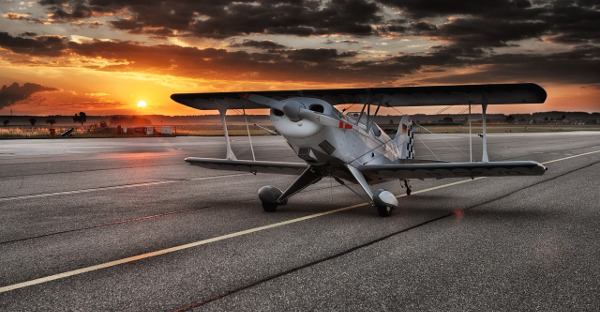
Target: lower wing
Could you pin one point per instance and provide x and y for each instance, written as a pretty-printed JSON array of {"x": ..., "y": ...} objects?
[
  {"x": 452, "y": 170},
  {"x": 248, "y": 166}
]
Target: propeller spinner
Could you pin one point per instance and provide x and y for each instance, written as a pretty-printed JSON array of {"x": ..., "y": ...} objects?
[{"x": 294, "y": 110}]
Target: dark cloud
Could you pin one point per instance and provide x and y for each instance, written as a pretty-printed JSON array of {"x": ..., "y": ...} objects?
[
  {"x": 419, "y": 9},
  {"x": 226, "y": 18},
  {"x": 38, "y": 46},
  {"x": 578, "y": 66},
  {"x": 495, "y": 23},
  {"x": 300, "y": 18},
  {"x": 479, "y": 32},
  {"x": 265, "y": 45},
  {"x": 423, "y": 26},
  {"x": 489, "y": 23},
  {"x": 318, "y": 65},
  {"x": 318, "y": 55},
  {"x": 330, "y": 41},
  {"x": 77, "y": 9},
  {"x": 14, "y": 93},
  {"x": 572, "y": 24}
]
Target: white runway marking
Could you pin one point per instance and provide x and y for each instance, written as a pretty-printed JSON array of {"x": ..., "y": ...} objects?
[
  {"x": 117, "y": 187},
  {"x": 219, "y": 238},
  {"x": 552, "y": 161}
]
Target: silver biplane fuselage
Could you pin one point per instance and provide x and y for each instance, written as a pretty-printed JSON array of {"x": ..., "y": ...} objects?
[{"x": 353, "y": 141}]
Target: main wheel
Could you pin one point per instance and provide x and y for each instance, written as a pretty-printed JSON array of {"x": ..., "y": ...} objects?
[
  {"x": 269, "y": 207},
  {"x": 384, "y": 210}
]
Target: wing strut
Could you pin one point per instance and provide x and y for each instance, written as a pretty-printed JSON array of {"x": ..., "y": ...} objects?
[
  {"x": 484, "y": 157},
  {"x": 249, "y": 137},
  {"x": 358, "y": 176},
  {"x": 470, "y": 137},
  {"x": 308, "y": 177},
  {"x": 222, "y": 111}
]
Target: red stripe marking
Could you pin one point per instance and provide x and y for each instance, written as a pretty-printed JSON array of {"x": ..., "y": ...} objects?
[
  {"x": 348, "y": 126},
  {"x": 341, "y": 125}
]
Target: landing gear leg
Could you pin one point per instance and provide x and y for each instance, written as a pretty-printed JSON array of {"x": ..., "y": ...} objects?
[
  {"x": 271, "y": 197},
  {"x": 408, "y": 188}
]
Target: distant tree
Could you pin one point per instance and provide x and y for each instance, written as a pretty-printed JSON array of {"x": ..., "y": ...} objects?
[
  {"x": 81, "y": 118},
  {"x": 50, "y": 121},
  {"x": 510, "y": 118},
  {"x": 103, "y": 124},
  {"x": 6, "y": 122},
  {"x": 447, "y": 120},
  {"x": 32, "y": 121}
]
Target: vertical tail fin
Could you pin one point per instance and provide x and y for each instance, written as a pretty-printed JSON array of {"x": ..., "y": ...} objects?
[{"x": 404, "y": 138}]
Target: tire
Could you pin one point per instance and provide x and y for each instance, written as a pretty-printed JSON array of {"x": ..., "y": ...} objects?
[
  {"x": 384, "y": 211},
  {"x": 269, "y": 207}
]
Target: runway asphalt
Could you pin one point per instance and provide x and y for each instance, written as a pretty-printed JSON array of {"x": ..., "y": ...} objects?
[{"x": 126, "y": 225}]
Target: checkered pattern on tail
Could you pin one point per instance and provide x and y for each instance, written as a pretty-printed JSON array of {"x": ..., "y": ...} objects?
[
  {"x": 404, "y": 139},
  {"x": 410, "y": 147}
]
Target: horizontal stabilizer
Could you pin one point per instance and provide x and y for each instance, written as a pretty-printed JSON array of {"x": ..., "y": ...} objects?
[
  {"x": 248, "y": 166},
  {"x": 518, "y": 93},
  {"x": 452, "y": 170}
]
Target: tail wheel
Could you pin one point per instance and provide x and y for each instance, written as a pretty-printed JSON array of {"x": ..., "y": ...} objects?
[
  {"x": 269, "y": 207},
  {"x": 384, "y": 210}
]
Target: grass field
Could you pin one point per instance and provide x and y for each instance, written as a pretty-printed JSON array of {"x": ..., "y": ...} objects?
[{"x": 44, "y": 132}]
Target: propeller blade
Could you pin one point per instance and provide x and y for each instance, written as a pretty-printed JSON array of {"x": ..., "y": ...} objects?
[
  {"x": 322, "y": 119},
  {"x": 263, "y": 100}
]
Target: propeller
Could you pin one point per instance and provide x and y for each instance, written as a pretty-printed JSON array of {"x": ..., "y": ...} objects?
[
  {"x": 295, "y": 111},
  {"x": 263, "y": 100},
  {"x": 320, "y": 118}
]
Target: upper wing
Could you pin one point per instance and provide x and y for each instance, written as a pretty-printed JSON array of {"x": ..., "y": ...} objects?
[
  {"x": 452, "y": 170},
  {"x": 248, "y": 166},
  {"x": 520, "y": 93}
]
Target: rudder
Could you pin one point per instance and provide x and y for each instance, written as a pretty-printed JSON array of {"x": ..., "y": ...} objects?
[{"x": 404, "y": 138}]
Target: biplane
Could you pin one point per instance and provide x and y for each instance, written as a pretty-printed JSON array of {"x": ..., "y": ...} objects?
[{"x": 352, "y": 147}]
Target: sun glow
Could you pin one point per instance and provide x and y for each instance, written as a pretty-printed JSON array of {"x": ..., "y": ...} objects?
[{"x": 141, "y": 104}]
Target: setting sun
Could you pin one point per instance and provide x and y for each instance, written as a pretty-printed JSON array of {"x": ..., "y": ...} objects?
[{"x": 141, "y": 104}]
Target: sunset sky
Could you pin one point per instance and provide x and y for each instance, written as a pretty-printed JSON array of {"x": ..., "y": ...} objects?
[{"x": 104, "y": 56}]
